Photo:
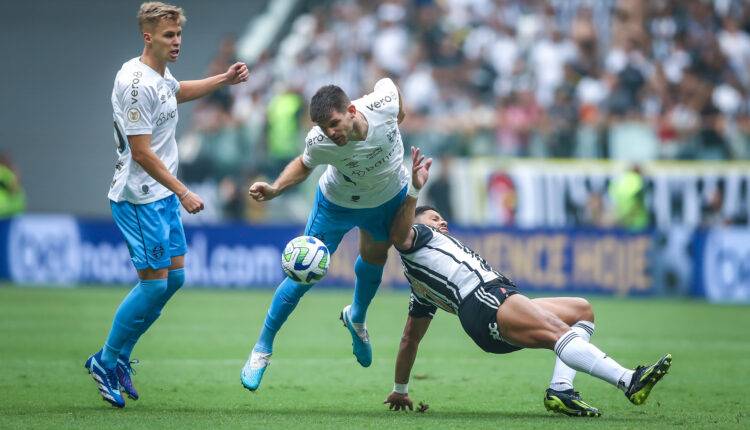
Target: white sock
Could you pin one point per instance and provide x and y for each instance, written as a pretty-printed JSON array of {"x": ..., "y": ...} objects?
[
  {"x": 563, "y": 375},
  {"x": 585, "y": 357}
]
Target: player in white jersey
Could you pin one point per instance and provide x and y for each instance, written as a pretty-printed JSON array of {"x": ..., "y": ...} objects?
[
  {"x": 443, "y": 273},
  {"x": 363, "y": 186},
  {"x": 145, "y": 194}
]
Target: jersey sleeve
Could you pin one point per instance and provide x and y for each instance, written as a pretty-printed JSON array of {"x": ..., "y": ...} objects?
[
  {"x": 139, "y": 104},
  {"x": 422, "y": 236},
  {"x": 385, "y": 97},
  {"x": 420, "y": 308},
  {"x": 313, "y": 155}
]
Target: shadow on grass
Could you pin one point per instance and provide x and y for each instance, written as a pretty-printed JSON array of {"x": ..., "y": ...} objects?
[{"x": 445, "y": 415}]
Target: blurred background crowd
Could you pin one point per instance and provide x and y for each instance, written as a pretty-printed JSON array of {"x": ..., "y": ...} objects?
[{"x": 631, "y": 80}]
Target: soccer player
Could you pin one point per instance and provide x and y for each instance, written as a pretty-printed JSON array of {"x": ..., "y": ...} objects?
[
  {"x": 363, "y": 186},
  {"x": 445, "y": 274},
  {"x": 145, "y": 195}
]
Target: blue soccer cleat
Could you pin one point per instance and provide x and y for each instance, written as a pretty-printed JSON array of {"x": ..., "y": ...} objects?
[
  {"x": 106, "y": 380},
  {"x": 255, "y": 367},
  {"x": 360, "y": 341},
  {"x": 124, "y": 370}
]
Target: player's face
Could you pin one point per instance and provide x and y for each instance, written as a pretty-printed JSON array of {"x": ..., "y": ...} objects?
[
  {"x": 433, "y": 219},
  {"x": 339, "y": 126},
  {"x": 165, "y": 40}
]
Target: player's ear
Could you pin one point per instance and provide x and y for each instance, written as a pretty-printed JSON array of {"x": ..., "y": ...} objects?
[
  {"x": 351, "y": 109},
  {"x": 147, "y": 38}
]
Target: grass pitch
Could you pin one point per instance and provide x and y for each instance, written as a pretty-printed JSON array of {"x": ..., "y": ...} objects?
[{"x": 191, "y": 359}]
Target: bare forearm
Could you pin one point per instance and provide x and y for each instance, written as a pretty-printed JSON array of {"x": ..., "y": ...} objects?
[
  {"x": 157, "y": 170},
  {"x": 191, "y": 90},
  {"x": 407, "y": 354},
  {"x": 294, "y": 173},
  {"x": 401, "y": 226}
]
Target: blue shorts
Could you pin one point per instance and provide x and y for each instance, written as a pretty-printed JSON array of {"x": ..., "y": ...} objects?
[
  {"x": 329, "y": 222},
  {"x": 153, "y": 231}
]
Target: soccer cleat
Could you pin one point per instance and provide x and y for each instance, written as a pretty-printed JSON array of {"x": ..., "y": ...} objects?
[
  {"x": 645, "y": 378},
  {"x": 124, "y": 370},
  {"x": 360, "y": 341},
  {"x": 252, "y": 372},
  {"x": 568, "y": 402},
  {"x": 106, "y": 380}
]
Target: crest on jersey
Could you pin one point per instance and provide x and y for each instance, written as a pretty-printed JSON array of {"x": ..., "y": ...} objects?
[{"x": 134, "y": 115}]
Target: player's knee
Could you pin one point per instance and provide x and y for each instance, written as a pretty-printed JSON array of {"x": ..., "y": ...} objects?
[
  {"x": 585, "y": 310},
  {"x": 176, "y": 279}
]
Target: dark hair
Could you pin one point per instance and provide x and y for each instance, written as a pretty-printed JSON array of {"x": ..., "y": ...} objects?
[
  {"x": 326, "y": 100},
  {"x": 422, "y": 209}
]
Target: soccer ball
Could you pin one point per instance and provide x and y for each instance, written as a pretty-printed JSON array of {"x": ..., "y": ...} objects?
[{"x": 305, "y": 260}]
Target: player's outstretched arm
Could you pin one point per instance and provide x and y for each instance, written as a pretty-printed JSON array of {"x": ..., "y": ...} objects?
[
  {"x": 294, "y": 173},
  {"x": 191, "y": 90},
  {"x": 140, "y": 148},
  {"x": 401, "y": 234},
  {"x": 414, "y": 331}
]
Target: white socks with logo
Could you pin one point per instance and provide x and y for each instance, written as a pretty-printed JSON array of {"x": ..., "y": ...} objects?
[
  {"x": 562, "y": 376},
  {"x": 585, "y": 357}
]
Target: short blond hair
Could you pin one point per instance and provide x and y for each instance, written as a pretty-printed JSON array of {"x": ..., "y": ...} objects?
[{"x": 151, "y": 13}]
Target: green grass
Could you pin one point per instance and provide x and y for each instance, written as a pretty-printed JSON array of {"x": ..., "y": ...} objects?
[{"x": 190, "y": 363}]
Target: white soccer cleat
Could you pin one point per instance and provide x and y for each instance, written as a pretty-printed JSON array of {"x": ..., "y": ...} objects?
[{"x": 252, "y": 372}]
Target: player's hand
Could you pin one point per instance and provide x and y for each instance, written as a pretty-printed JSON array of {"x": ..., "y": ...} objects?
[
  {"x": 192, "y": 203},
  {"x": 420, "y": 168},
  {"x": 398, "y": 402},
  {"x": 237, "y": 73},
  {"x": 262, "y": 191}
]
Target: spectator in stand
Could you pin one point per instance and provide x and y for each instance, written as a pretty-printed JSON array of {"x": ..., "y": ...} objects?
[{"x": 12, "y": 196}]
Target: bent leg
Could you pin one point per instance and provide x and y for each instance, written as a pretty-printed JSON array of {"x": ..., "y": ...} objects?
[
  {"x": 284, "y": 301},
  {"x": 527, "y": 324},
  {"x": 577, "y": 313},
  {"x": 133, "y": 313},
  {"x": 569, "y": 309},
  {"x": 369, "y": 272},
  {"x": 175, "y": 281}
]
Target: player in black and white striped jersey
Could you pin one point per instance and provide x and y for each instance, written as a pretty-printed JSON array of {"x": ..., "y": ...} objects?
[{"x": 445, "y": 274}]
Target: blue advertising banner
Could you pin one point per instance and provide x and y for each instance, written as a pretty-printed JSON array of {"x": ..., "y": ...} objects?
[
  {"x": 723, "y": 264},
  {"x": 64, "y": 250}
]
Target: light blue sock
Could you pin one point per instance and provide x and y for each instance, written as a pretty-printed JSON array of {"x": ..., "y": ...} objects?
[
  {"x": 130, "y": 316},
  {"x": 365, "y": 287},
  {"x": 284, "y": 301},
  {"x": 175, "y": 280}
]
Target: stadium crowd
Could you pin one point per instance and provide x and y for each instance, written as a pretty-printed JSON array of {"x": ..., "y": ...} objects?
[{"x": 603, "y": 79}]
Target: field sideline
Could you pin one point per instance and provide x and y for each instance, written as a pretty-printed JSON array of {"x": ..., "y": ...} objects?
[{"x": 190, "y": 362}]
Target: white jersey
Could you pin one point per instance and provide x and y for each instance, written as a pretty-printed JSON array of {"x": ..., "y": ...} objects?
[
  {"x": 143, "y": 102},
  {"x": 442, "y": 271},
  {"x": 368, "y": 173}
]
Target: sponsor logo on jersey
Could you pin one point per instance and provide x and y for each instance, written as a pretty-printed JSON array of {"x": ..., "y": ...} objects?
[
  {"x": 134, "y": 87},
  {"x": 134, "y": 115},
  {"x": 119, "y": 165},
  {"x": 164, "y": 117},
  {"x": 382, "y": 101},
  {"x": 310, "y": 141}
]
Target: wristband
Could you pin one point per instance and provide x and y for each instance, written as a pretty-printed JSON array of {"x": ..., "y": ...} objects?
[
  {"x": 401, "y": 388},
  {"x": 413, "y": 192},
  {"x": 185, "y": 194}
]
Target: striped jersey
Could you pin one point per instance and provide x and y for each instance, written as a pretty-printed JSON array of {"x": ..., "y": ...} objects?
[{"x": 442, "y": 272}]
